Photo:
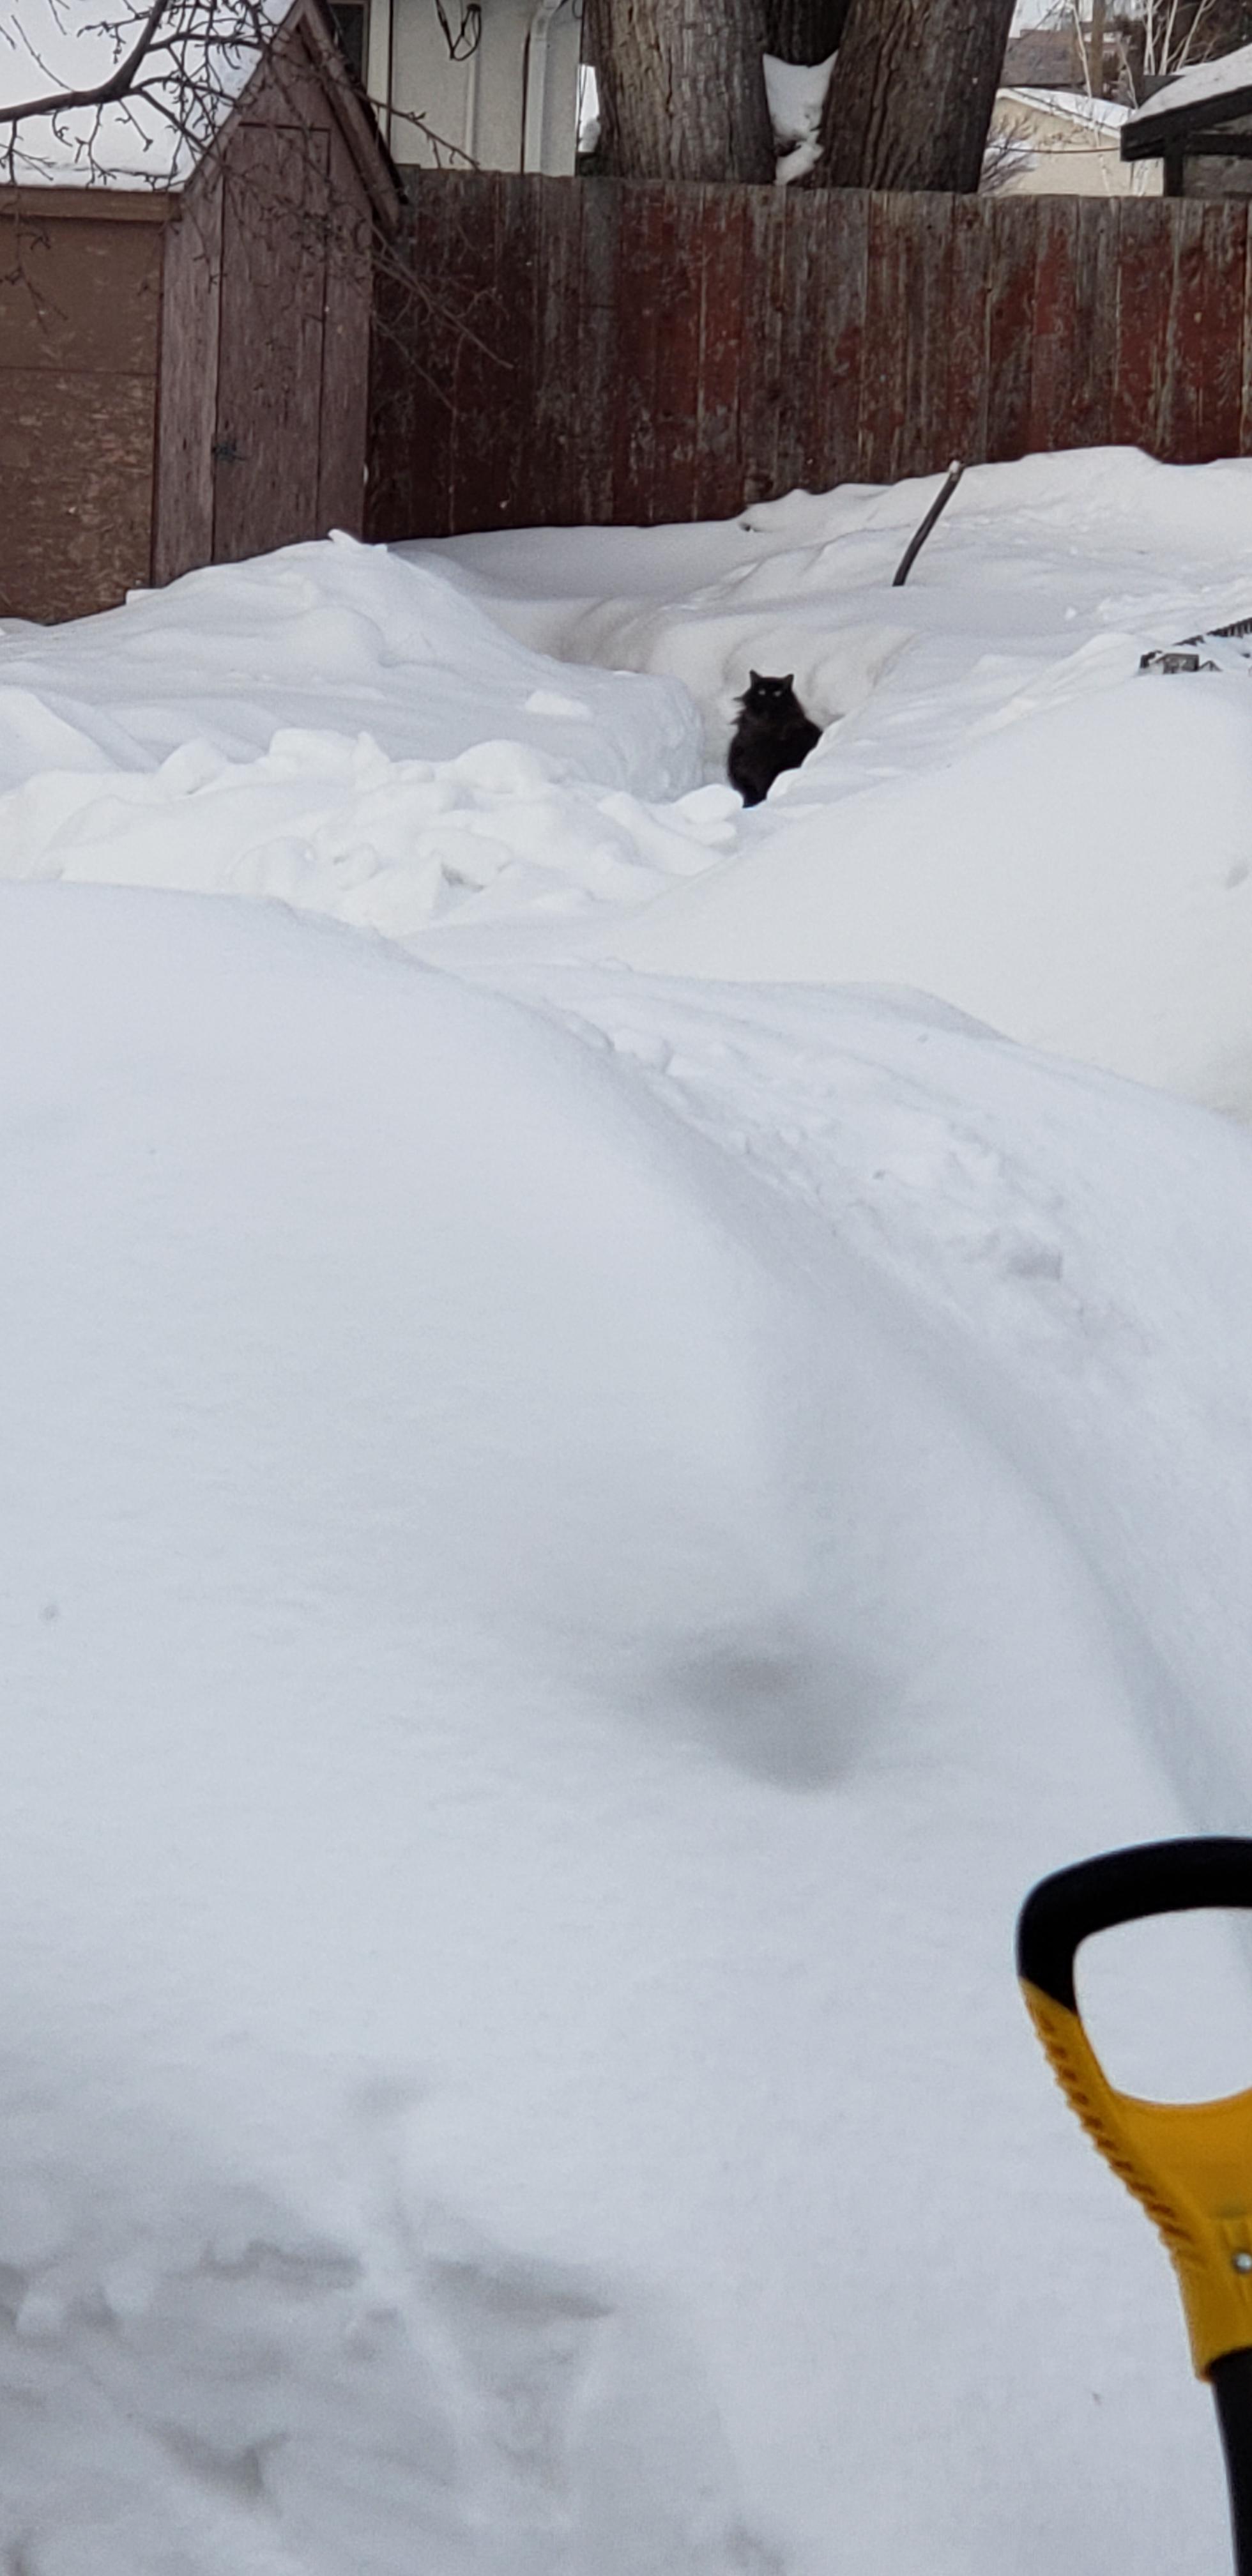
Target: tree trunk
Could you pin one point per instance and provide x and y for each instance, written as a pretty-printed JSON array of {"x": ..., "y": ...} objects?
[
  {"x": 910, "y": 102},
  {"x": 682, "y": 92},
  {"x": 803, "y": 31}
]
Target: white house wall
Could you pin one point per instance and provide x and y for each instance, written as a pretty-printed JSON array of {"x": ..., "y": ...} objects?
[
  {"x": 512, "y": 105},
  {"x": 1066, "y": 157}
]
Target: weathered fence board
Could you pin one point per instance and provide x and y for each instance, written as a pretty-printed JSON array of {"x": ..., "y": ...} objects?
[
  {"x": 968, "y": 321},
  {"x": 591, "y": 350},
  {"x": 1013, "y": 248}
]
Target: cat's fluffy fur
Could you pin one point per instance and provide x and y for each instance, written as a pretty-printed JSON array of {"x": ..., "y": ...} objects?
[{"x": 773, "y": 733}]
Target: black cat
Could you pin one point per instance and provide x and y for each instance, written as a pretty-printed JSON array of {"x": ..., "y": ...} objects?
[{"x": 772, "y": 733}]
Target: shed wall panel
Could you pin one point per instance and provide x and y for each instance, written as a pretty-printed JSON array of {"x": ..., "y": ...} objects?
[
  {"x": 269, "y": 375},
  {"x": 79, "y": 307},
  {"x": 81, "y": 296},
  {"x": 114, "y": 300},
  {"x": 76, "y": 471},
  {"x": 345, "y": 353},
  {"x": 187, "y": 407}
]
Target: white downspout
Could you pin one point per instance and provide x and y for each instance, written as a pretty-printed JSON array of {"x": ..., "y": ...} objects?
[{"x": 535, "y": 83}]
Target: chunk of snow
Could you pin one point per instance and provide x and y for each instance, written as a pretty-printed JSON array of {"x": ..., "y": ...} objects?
[{"x": 797, "y": 94}]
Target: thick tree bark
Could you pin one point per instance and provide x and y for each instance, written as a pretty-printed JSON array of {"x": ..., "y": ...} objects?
[
  {"x": 682, "y": 92},
  {"x": 913, "y": 89},
  {"x": 803, "y": 31}
]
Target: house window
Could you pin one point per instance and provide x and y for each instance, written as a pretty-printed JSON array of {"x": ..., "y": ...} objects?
[{"x": 351, "y": 19}]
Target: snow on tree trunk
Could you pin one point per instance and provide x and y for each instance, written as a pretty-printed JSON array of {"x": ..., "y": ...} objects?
[
  {"x": 913, "y": 89},
  {"x": 682, "y": 92},
  {"x": 803, "y": 31}
]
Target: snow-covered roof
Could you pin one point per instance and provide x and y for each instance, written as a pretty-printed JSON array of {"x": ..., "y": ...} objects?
[
  {"x": 1105, "y": 113},
  {"x": 203, "y": 56},
  {"x": 1204, "y": 81},
  {"x": 1224, "y": 85}
]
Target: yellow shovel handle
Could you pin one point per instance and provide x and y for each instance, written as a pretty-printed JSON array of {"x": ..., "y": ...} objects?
[{"x": 1190, "y": 2163}]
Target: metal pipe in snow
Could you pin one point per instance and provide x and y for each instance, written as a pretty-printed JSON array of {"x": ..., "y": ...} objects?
[{"x": 937, "y": 507}]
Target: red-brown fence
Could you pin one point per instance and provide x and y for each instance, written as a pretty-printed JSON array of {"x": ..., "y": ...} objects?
[{"x": 596, "y": 350}]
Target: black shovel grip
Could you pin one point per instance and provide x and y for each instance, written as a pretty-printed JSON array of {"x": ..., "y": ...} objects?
[{"x": 1121, "y": 1887}]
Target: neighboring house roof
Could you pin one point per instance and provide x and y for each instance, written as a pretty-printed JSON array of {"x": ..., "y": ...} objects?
[
  {"x": 1199, "y": 101},
  {"x": 1042, "y": 58},
  {"x": 158, "y": 139},
  {"x": 1104, "y": 116}
]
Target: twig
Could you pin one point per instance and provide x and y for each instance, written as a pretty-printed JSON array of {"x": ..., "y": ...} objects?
[{"x": 121, "y": 79}]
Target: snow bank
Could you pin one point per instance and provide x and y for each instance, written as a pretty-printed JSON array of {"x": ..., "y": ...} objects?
[
  {"x": 1032, "y": 564},
  {"x": 561, "y": 1582},
  {"x": 1097, "y": 906},
  {"x": 516, "y": 743},
  {"x": 331, "y": 634},
  {"x": 348, "y": 732},
  {"x": 1001, "y": 811},
  {"x": 572, "y": 1546}
]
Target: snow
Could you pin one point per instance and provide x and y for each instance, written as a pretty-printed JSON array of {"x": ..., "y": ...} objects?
[
  {"x": 362, "y": 738},
  {"x": 588, "y": 108},
  {"x": 1106, "y": 113},
  {"x": 993, "y": 756},
  {"x": 578, "y": 1528},
  {"x": 797, "y": 94},
  {"x": 1215, "y": 80}
]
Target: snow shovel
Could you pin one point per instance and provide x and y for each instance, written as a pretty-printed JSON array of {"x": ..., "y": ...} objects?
[{"x": 1190, "y": 2163}]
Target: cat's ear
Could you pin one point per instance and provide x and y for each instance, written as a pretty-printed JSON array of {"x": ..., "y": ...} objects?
[
  {"x": 754, "y": 679},
  {"x": 789, "y": 680}
]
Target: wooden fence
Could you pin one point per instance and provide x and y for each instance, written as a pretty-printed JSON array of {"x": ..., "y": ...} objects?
[{"x": 596, "y": 350}]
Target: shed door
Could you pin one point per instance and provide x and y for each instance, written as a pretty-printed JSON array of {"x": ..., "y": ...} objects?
[{"x": 267, "y": 445}]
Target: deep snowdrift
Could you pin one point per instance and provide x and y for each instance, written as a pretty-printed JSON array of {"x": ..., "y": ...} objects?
[
  {"x": 1085, "y": 883},
  {"x": 346, "y": 731},
  {"x": 574, "y": 1539},
  {"x": 1002, "y": 812},
  {"x": 557, "y": 1596}
]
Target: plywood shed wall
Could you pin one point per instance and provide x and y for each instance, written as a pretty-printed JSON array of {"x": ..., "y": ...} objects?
[
  {"x": 80, "y": 314},
  {"x": 184, "y": 375}
]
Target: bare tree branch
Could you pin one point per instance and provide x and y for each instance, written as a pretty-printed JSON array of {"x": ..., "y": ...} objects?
[{"x": 120, "y": 83}]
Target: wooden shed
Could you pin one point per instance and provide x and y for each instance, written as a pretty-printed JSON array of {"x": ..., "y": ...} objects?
[{"x": 184, "y": 368}]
